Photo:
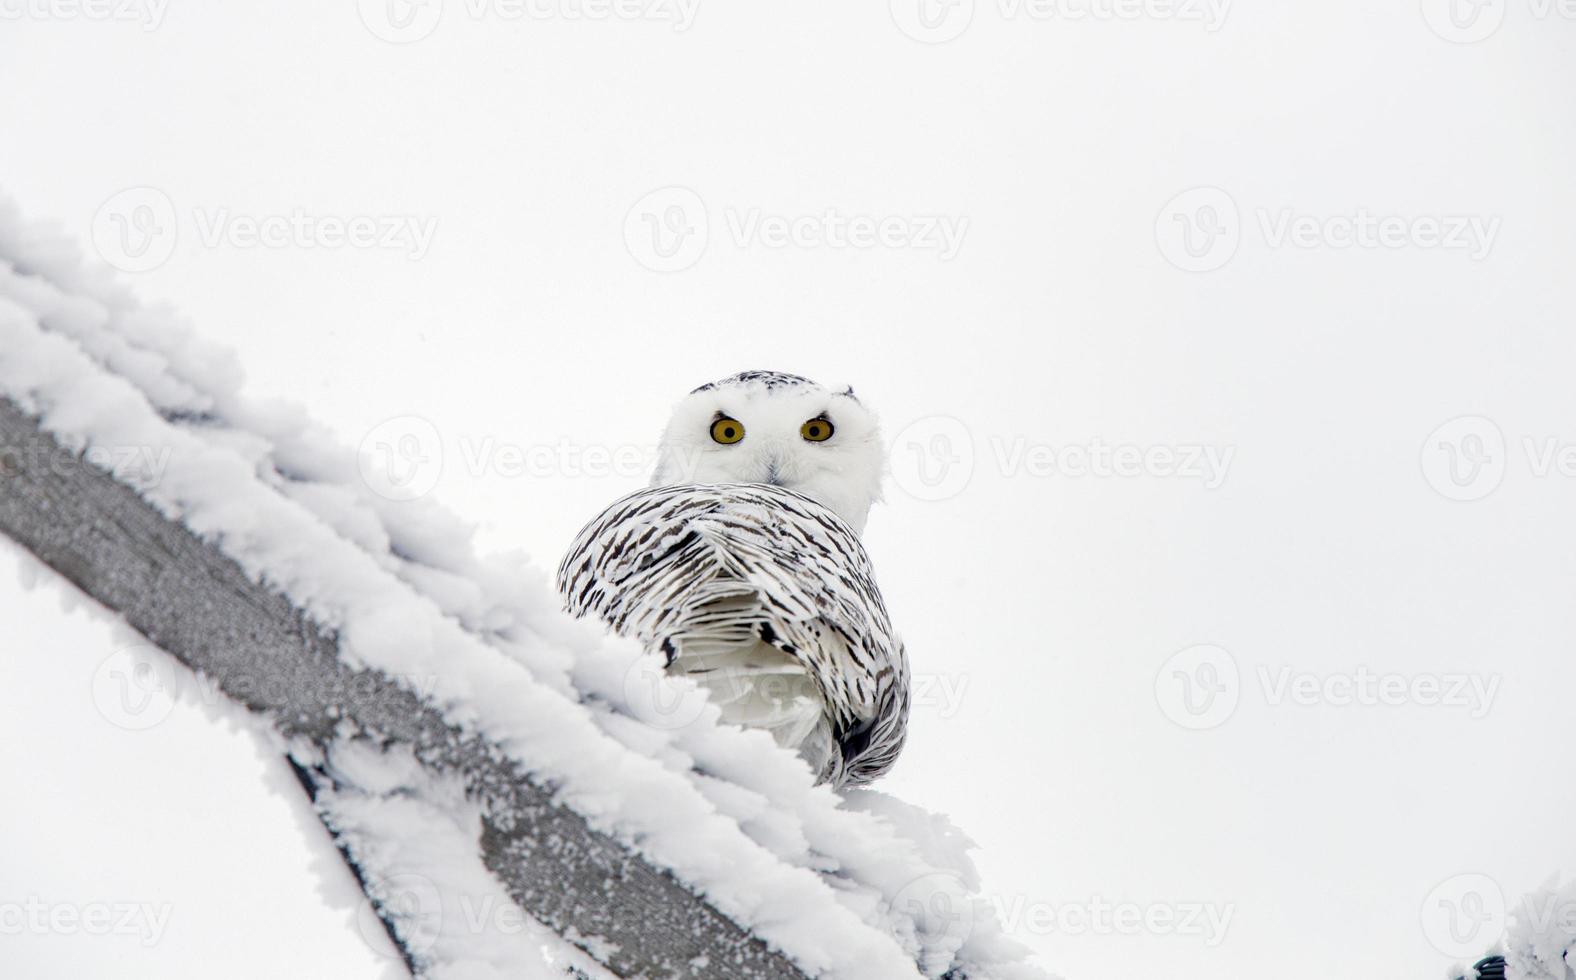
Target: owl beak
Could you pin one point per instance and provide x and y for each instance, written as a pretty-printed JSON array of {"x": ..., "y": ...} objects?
[{"x": 775, "y": 457}]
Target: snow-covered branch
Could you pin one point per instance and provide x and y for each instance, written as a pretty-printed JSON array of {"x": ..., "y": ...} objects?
[
  {"x": 266, "y": 655},
  {"x": 469, "y": 745}
]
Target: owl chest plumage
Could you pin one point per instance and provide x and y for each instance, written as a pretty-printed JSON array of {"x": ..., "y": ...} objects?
[{"x": 764, "y": 597}]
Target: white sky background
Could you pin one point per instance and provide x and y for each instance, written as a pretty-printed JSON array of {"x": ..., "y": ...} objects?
[{"x": 1039, "y": 609}]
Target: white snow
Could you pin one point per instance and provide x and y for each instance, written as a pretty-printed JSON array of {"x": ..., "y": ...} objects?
[
  {"x": 183, "y": 806},
  {"x": 850, "y": 888},
  {"x": 1540, "y": 943},
  {"x": 450, "y": 912}
]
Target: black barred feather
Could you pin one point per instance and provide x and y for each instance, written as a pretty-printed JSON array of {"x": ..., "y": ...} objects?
[{"x": 697, "y": 568}]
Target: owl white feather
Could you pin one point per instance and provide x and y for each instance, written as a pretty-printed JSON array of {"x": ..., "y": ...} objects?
[{"x": 741, "y": 566}]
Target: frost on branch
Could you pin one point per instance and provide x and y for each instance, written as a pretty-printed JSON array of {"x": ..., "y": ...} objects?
[{"x": 456, "y": 729}]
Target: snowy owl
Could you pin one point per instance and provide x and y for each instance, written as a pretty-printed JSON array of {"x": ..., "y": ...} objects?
[{"x": 741, "y": 566}]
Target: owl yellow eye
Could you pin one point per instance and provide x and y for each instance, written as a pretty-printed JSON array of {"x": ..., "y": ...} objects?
[
  {"x": 727, "y": 431},
  {"x": 817, "y": 430}
]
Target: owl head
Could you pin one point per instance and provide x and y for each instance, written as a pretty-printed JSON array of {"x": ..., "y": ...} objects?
[{"x": 777, "y": 429}]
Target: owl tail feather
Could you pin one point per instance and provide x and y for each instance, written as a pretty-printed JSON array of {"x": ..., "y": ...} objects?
[{"x": 756, "y": 685}]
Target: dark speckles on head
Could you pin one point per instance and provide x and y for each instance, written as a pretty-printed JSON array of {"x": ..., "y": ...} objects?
[{"x": 771, "y": 380}]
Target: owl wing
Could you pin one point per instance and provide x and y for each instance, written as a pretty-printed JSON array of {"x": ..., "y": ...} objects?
[{"x": 700, "y": 570}]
